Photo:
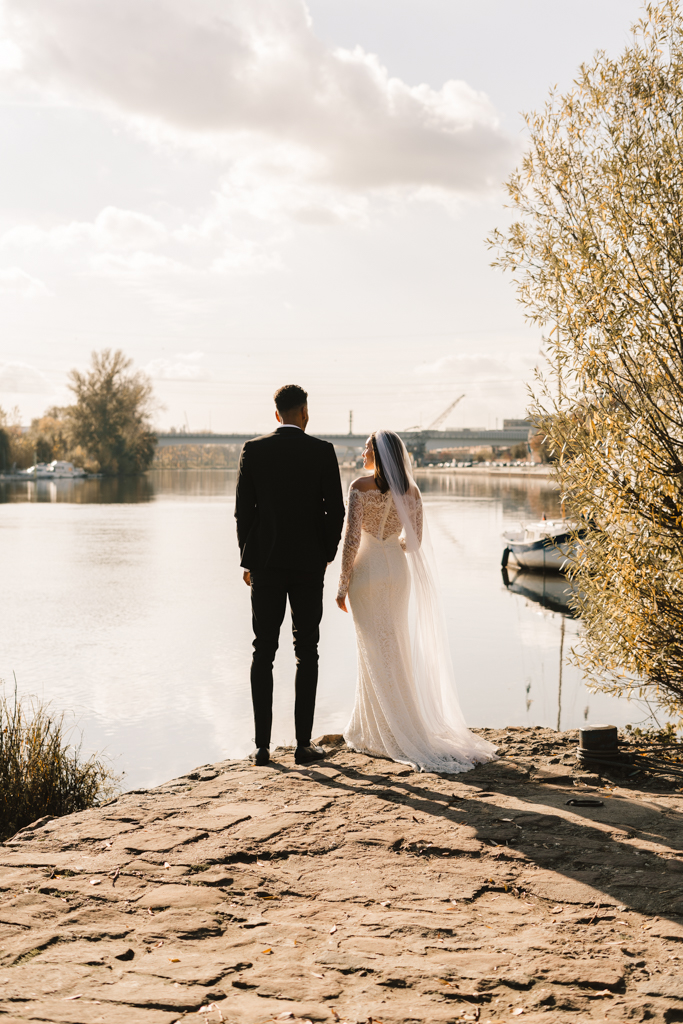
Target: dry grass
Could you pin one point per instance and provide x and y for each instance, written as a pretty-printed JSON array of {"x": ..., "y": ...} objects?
[{"x": 41, "y": 771}]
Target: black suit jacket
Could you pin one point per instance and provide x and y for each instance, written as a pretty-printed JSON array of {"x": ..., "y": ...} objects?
[{"x": 289, "y": 505}]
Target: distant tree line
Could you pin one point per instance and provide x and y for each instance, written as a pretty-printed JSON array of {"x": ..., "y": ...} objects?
[
  {"x": 197, "y": 456},
  {"x": 106, "y": 430}
]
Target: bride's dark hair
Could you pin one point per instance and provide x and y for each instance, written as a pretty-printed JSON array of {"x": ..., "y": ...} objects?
[{"x": 396, "y": 447}]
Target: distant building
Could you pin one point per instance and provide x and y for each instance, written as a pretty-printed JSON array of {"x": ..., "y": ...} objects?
[{"x": 516, "y": 423}]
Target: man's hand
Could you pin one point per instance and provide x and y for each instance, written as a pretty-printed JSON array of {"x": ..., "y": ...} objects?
[
  {"x": 341, "y": 603},
  {"x": 246, "y": 576}
]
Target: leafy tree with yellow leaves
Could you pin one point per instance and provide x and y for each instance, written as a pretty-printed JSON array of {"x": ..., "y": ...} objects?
[{"x": 596, "y": 250}]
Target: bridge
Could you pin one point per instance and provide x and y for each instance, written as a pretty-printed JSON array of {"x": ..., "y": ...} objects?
[{"x": 418, "y": 442}]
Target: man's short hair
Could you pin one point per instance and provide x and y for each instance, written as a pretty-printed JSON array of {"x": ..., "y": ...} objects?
[{"x": 289, "y": 397}]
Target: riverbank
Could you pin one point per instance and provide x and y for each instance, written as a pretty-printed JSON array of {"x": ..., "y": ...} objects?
[
  {"x": 353, "y": 890},
  {"x": 541, "y": 472}
]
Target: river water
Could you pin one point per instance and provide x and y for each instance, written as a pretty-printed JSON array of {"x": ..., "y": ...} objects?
[{"x": 123, "y": 605}]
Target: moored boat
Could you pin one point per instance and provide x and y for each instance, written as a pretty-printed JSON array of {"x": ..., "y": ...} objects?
[
  {"x": 544, "y": 546},
  {"x": 57, "y": 469}
]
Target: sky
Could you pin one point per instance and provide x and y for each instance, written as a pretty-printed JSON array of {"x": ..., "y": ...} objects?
[{"x": 241, "y": 196}]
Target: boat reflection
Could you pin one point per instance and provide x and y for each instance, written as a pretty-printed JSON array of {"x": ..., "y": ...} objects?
[{"x": 551, "y": 590}]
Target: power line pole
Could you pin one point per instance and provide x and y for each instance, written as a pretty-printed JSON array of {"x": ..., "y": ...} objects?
[{"x": 350, "y": 421}]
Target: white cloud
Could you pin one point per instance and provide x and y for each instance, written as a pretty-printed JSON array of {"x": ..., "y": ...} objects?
[
  {"x": 15, "y": 281},
  {"x": 112, "y": 229},
  {"x": 185, "y": 366},
  {"x": 118, "y": 242},
  {"x": 23, "y": 379},
  {"x": 217, "y": 72},
  {"x": 480, "y": 367},
  {"x": 138, "y": 263}
]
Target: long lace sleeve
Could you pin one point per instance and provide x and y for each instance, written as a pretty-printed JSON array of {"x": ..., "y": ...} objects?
[
  {"x": 415, "y": 509},
  {"x": 352, "y": 536},
  {"x": 418, "y": 518}
]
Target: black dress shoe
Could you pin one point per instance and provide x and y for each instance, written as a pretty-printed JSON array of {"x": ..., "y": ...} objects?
[
  {"x": 305, "y": 755},
  {"x": 260, "y": 756}
]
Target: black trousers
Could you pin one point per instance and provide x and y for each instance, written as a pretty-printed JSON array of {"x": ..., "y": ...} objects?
[{"x": 270, "y": 589}]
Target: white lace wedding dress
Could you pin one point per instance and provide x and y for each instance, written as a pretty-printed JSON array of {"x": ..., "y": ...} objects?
[{"x": 391, "y": 717}]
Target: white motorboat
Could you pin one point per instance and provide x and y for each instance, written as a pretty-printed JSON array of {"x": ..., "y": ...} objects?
[
  {"x": 57, "y": 469},
  {"x": 66, "y": 469},
  {"x": 41, "y": 471},
  {"x": 546, "y": 545}
]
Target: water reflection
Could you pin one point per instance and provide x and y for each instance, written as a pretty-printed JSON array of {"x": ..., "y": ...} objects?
[
  {"x": 551, "y": 590},
  {"x": 106, "y": 491},
  {"x": 519, "y": 498}
]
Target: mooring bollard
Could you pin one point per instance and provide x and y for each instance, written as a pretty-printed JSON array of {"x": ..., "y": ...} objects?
[{"x": 598, "y": 743}]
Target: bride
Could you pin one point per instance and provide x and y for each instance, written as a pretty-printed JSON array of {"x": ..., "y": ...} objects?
[{"x": 406, "y": 706}]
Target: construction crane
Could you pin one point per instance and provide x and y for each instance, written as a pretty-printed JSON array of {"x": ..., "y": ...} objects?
[{"x": 442, "y": 418}]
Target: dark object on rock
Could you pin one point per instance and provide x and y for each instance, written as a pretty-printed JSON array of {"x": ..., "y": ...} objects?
[
  {"x": 599, "y": 745},
  {"x": 602, "y": 739},
  {"x": 260, "y": 756},
  {"x": 584, "y": 802},
  {"x": 599, "y": 748},
  {"x": 128, "y": 954},
  {"x": 305, "y": 755}
]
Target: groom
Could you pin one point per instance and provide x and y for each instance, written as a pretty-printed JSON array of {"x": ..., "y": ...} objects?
[{"x": 290, "y": 512}]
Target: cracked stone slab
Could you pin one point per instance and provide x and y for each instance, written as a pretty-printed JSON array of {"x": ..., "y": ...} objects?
[
  {"x": 181, "y": 896},
  {"x": 668, "y": 985},
  {"x": 354, "y": 889}
]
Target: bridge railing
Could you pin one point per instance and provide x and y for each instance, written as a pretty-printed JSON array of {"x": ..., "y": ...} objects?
[{"x": 427, "y": 440}]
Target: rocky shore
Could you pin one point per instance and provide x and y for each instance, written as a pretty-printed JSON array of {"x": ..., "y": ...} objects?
[{"x": 355, "y": 890}]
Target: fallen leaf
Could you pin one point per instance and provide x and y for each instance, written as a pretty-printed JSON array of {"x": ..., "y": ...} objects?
[
  {"x": 269, "y": 950},
  {"x": 333, "y": 929},
  {"x": 174, "y": 959},
  {"x": 317, "y": 975},
  {"x": 385, "y": 903},
  {"x": 95, "y": 881},
  {"x": 67, "y": 998},
  {"x": 285, "y": 1016},
  {"x": 157, "y": 944},
  {"x": 150, "y": 912},
  {"x": 166, "y": 864},
  {"x": 516, "y": 1013}
]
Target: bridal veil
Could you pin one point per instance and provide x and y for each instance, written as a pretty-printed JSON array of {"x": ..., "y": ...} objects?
[{"x": 453, "y": 747}]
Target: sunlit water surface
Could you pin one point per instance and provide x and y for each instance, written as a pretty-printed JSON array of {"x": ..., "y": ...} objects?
[{"x": 123, "y": 604}]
